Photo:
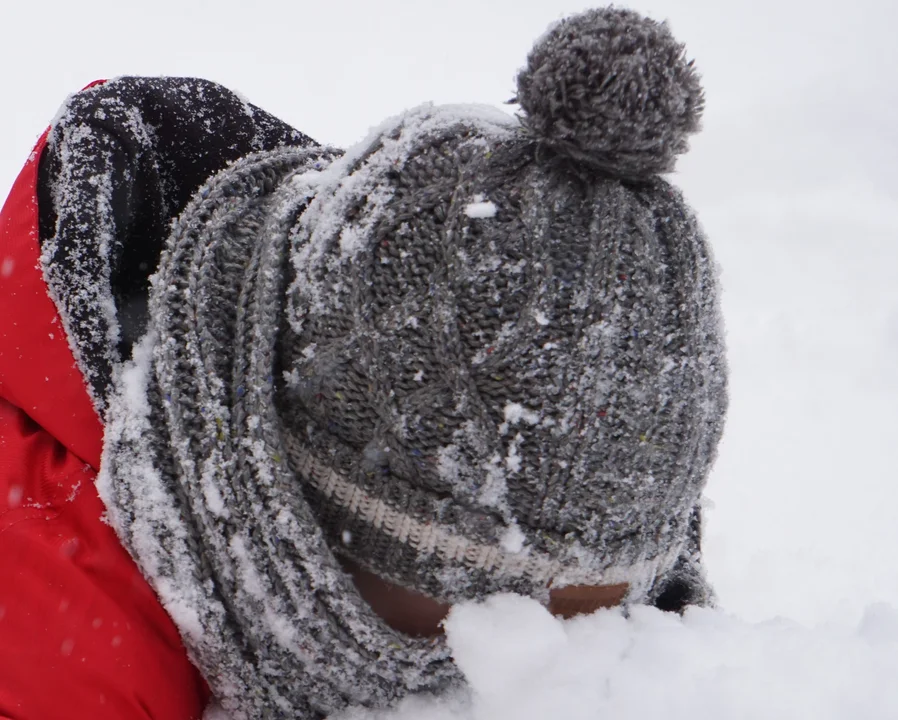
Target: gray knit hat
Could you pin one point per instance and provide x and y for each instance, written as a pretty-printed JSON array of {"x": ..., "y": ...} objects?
[
  {"x": 474, "y": 353},
  {"x": 504, "y": 341}
]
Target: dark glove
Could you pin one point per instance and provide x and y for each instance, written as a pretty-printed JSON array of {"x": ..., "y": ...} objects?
[{"x": 123, "y": 160}]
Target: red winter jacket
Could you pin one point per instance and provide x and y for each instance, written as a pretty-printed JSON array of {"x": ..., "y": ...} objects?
[{"x": 82, "y": 635}]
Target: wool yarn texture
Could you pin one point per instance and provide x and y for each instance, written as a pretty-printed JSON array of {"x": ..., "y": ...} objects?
[{"x": 473, "y": 354}]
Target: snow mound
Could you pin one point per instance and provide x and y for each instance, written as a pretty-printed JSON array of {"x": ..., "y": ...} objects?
[{"x": 524, "y": 664}]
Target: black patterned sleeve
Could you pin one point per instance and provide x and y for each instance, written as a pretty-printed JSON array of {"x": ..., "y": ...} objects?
[{"x": 123, "y": 159}]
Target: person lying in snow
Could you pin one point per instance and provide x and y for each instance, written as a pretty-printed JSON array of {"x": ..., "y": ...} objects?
[{"x": 473, "y": 354}]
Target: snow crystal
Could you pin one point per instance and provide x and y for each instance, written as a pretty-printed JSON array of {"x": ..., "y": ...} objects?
[
  {"x": 448, "y": 462},
  {"x": 494, "y": 489},
  {"x": 515, "y": 413},
  {"x": 480, "y": 208},
  {"x": 540, "y": 317},
  {"x": 506, "y": 332},
  {"x": 134, "y": 378},
  {"x": 73, "y": 493},
  {"x": 513, "y": 457},
  {"x": 513, "y": 539},
  {"x": 6, "y": 267},
  {"x": 346, "y": 537},
  {"x": 214, "y": 501}
]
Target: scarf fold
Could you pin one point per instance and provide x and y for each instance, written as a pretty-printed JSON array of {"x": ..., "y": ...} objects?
[{"x": 196, "y": 478}]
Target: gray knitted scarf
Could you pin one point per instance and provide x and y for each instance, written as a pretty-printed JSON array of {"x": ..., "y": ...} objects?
[{"x": 195, "y": 479}]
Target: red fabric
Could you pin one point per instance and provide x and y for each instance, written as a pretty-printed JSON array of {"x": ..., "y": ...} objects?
[
  {"x": 82, "y": 636},
  {"x": 37, "y": 370}
]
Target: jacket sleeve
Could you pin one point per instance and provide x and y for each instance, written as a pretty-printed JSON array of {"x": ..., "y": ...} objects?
[{"x": 82, "y": 635}]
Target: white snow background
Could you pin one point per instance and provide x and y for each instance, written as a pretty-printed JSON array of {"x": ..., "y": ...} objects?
[{"x": 795, "y": 181}]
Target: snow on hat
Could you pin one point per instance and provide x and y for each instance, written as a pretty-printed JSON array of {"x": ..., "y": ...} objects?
[{"x": 504, "y": 358}]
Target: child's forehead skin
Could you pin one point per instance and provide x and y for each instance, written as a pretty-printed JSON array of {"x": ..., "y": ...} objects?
[
  {"x": 566, "y": 602},
  {"x": 418, "y": 615}
]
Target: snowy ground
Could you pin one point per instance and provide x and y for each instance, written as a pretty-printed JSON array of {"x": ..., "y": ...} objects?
[
  {"x": 521, "y": 663},
  {"x": 794, "y": 178}
]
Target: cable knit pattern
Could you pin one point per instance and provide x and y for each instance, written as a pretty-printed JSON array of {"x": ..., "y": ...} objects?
[{"x": 512, "y": 399}]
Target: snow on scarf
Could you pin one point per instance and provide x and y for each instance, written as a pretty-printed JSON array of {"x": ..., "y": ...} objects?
[{"x": 196, "y": 482}]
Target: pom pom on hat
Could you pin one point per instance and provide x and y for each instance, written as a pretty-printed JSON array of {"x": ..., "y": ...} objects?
[{"x": 612, "y": 89}]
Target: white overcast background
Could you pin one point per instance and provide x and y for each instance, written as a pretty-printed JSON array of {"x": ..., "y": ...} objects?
[{"x": 794, "y": 179}]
